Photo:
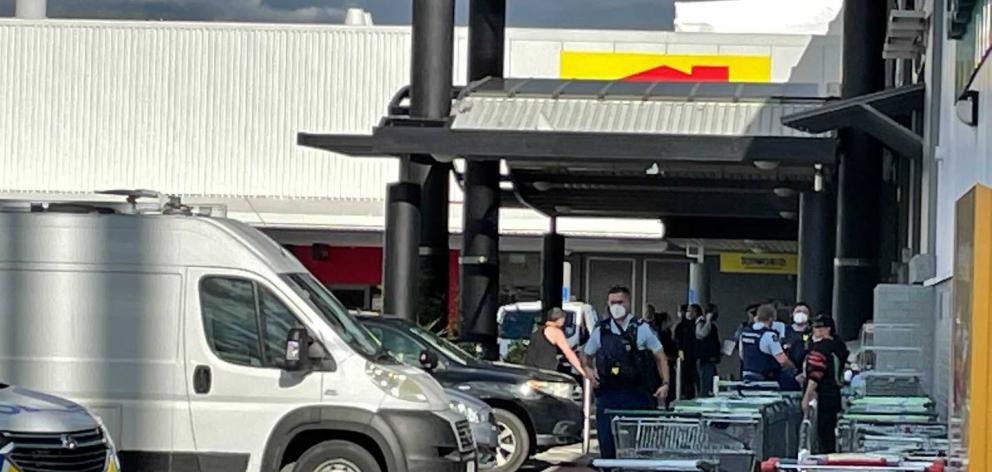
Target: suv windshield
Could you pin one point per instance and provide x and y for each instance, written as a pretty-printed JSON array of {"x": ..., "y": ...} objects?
[
  {"x": 448, "y": 348},
  {"x": 321, "y": 300}
]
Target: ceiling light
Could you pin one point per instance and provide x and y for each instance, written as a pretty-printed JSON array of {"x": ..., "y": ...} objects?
[
  {"x": 653, "y": 170},
  {"x": 784, "y": 192},
  {"x": 563, "y": 208},
  {"x": 789, "y": 215},
  {"x": 818, "y": 178},
  {"x": 506, "y": 185},
  {"x": 766, "y": 165},
  {"x": 542, "y": 186}
]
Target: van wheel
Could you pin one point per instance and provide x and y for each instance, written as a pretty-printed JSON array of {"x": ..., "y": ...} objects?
[
  {"x": 337, "y": 456},
  {"x": 513, "y": 441}
]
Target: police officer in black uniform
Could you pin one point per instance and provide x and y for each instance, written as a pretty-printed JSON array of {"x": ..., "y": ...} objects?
[{"x": 629, "y": 359}]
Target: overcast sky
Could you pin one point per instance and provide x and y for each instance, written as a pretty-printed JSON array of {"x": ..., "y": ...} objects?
[{"x": 619, "y": 14}]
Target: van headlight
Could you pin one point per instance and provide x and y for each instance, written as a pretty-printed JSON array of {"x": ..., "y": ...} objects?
[
  {"x": 395, "y": 384},
  {"x": 563, "y": 390},
  {"x": 468, "y": 412}
]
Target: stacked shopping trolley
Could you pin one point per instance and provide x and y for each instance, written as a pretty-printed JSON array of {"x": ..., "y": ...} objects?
[
  {"x": 894, "y": 425},
  {"x": 730, "y": 432}
]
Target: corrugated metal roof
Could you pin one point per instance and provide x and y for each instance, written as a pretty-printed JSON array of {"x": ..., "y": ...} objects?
[
  {"x": 195, "y": 109},
  {"x": 715, "y": 118}
]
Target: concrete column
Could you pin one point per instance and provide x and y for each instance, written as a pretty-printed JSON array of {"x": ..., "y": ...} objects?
[
  {"x": 399, "y": 261},
  {"x": 699, "y": 284},
  {"x": 31, "y": 9},
  {"x": 430, "y": 97},
  {"x": 552, "y": 270},
  {"x": 856, "y": 267},
  {"x": 816, "y": 250},
  {"x": 480, "y": 236}
]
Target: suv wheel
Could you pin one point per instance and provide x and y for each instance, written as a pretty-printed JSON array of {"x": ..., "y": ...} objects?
[
  {"x": 337, "y": 456},
  {"x": 513, "y": 441}
]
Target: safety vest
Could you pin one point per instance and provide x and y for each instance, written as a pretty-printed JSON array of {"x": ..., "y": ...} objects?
[{"x": 755, "y": 361}]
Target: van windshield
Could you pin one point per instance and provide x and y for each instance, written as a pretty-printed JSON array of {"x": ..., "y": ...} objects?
[{"x": 321, "y": 300}]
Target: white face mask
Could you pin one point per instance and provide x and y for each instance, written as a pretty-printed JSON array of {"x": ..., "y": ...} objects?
[
  {"x": 800, "y": 318},
  {"x": 618, "y": 311}
]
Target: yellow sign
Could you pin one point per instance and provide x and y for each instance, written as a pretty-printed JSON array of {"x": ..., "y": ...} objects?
[
  {"x": 748, "y": 263},
  {"x": 664, "y": 67}
]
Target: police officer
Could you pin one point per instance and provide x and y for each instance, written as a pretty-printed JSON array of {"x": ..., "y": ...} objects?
[
  {"x": 626, "y": 353},
  {"x": 824, "y": 366},
  {"x": 763, "y": 358}
]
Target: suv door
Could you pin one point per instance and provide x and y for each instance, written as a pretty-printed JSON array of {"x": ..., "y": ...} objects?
[{"x": 236, "y": 330}]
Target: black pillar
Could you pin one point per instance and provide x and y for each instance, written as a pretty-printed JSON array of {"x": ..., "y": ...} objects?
[
  {"x": 856, "y": 267},
  {"x": 480, "y": 236},
  {"x": 816, "y": 250},
  {"x": 430, "y": 97},
  {"x": 552, "y": 270},
  {"x": 399, "y": 261}
]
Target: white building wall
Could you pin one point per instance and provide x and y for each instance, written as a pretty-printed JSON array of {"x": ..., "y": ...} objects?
[
  {"x": 212, "y": 109},
  {"x": 964, "y": 154}
]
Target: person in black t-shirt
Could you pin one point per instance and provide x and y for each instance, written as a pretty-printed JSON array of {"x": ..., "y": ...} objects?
[
  {"x": 685, "y": 337},
  {"x": 824, "y": 369}
]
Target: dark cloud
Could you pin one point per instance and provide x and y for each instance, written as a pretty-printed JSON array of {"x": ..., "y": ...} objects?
[{"x": 617, "y": 14}]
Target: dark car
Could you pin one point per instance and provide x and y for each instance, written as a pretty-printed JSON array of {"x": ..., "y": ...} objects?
[{"x": 535, "y": 409}]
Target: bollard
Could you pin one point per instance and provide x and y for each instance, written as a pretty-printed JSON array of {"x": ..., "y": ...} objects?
[
  {"x": 586, "y": 413},
  {"x": 678, "y": 379}
]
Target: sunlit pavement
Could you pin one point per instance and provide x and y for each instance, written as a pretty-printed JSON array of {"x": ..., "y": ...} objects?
[{"x": 561, "y": 459}]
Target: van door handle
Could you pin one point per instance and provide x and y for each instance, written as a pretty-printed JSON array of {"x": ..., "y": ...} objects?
[{"x": 201, "y": 379}]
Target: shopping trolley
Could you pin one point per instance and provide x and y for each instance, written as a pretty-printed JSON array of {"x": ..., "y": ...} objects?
[
  {"x": 852, "y": 463},
  {"x": 647, "y": 440}
]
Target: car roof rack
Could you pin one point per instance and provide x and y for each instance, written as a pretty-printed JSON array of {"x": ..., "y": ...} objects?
[{"x": 135, "y": 203}]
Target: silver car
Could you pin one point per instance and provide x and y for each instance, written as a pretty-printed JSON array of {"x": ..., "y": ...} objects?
[
  {"x": 480, "y": 416},
  {"x": 41, "y": 432}
]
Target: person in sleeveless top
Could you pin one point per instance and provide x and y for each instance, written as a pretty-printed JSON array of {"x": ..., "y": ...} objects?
[{"x": 548, "y": 342}]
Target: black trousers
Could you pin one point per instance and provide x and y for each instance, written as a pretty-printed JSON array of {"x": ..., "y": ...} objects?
[{"x": 826, "y": 430}]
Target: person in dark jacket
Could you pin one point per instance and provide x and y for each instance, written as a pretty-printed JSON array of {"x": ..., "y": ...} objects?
[
  {"x": 662, "y": 325},
  {"x": 797, "y": 339},
  {"x": 825, "y": 362},
  {"x": 707, "y": 348},
  {"x": 685, "y": 338}
]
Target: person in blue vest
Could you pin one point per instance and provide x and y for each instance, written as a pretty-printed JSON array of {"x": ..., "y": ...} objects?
[
  {"x": 763, "y": 358},
  {"x": 624, "y": 359}
]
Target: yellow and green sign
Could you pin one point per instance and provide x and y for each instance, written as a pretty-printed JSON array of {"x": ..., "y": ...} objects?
[{"x": 749, "y": 263}]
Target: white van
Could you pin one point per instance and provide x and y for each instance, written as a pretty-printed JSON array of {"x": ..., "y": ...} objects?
[
  {"x": 517, "y": 321},
  {"x": 205, "y": 346}
]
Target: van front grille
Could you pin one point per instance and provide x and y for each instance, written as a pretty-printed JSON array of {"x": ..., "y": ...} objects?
[
  {"x": 465, "y": 440},
  {"x": 81, "y": 451}
]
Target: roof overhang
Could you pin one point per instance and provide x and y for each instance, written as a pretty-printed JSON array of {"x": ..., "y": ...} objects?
[
  {"x": 874, "y": 114},
  {"x": 706, "y": 158}
]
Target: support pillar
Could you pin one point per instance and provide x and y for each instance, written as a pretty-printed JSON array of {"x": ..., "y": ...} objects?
[
  {"x": 430, "y": 97},
  {"x": 399, "y": 261},
  {"x": 699, "y": 284},
  {"x": 856, "y": 267},
  {"x": 816, "y": 250},
  {"x": 31, "y": 9},
  {"x": 480, "y": 237},
  {"x": 552, "y": 270}
]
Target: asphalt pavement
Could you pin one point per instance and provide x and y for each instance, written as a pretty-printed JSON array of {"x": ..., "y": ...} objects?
[{"x": 561, "y": 459}]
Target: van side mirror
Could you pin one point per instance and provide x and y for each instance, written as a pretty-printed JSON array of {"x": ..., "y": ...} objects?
[
  {"x": 428, "y": 360},
  {"x": 297, "y": 350}
]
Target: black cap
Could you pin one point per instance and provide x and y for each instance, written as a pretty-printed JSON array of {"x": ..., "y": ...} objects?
[{"x": 823, "y": 321}]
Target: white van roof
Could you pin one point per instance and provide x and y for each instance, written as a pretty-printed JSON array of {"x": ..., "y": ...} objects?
[{"x": 142, "y": 239}]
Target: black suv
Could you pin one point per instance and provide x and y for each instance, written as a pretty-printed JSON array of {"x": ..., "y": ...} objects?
[{"x": 535, "y": 409}]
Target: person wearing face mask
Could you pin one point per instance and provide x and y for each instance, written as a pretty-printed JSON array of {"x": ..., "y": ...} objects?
[
  {"x": 824, "y": 368},
  {"x": 548, "y": 343},
  {"x": 685, "y": 338},
  {"x": 621, "y": 358},
  {"x": 797, "y": 334}
]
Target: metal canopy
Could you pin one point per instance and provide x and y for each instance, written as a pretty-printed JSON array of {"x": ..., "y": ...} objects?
[
  {"x": 710, "y": 159},
  {"x": 873, "y": 114}
]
